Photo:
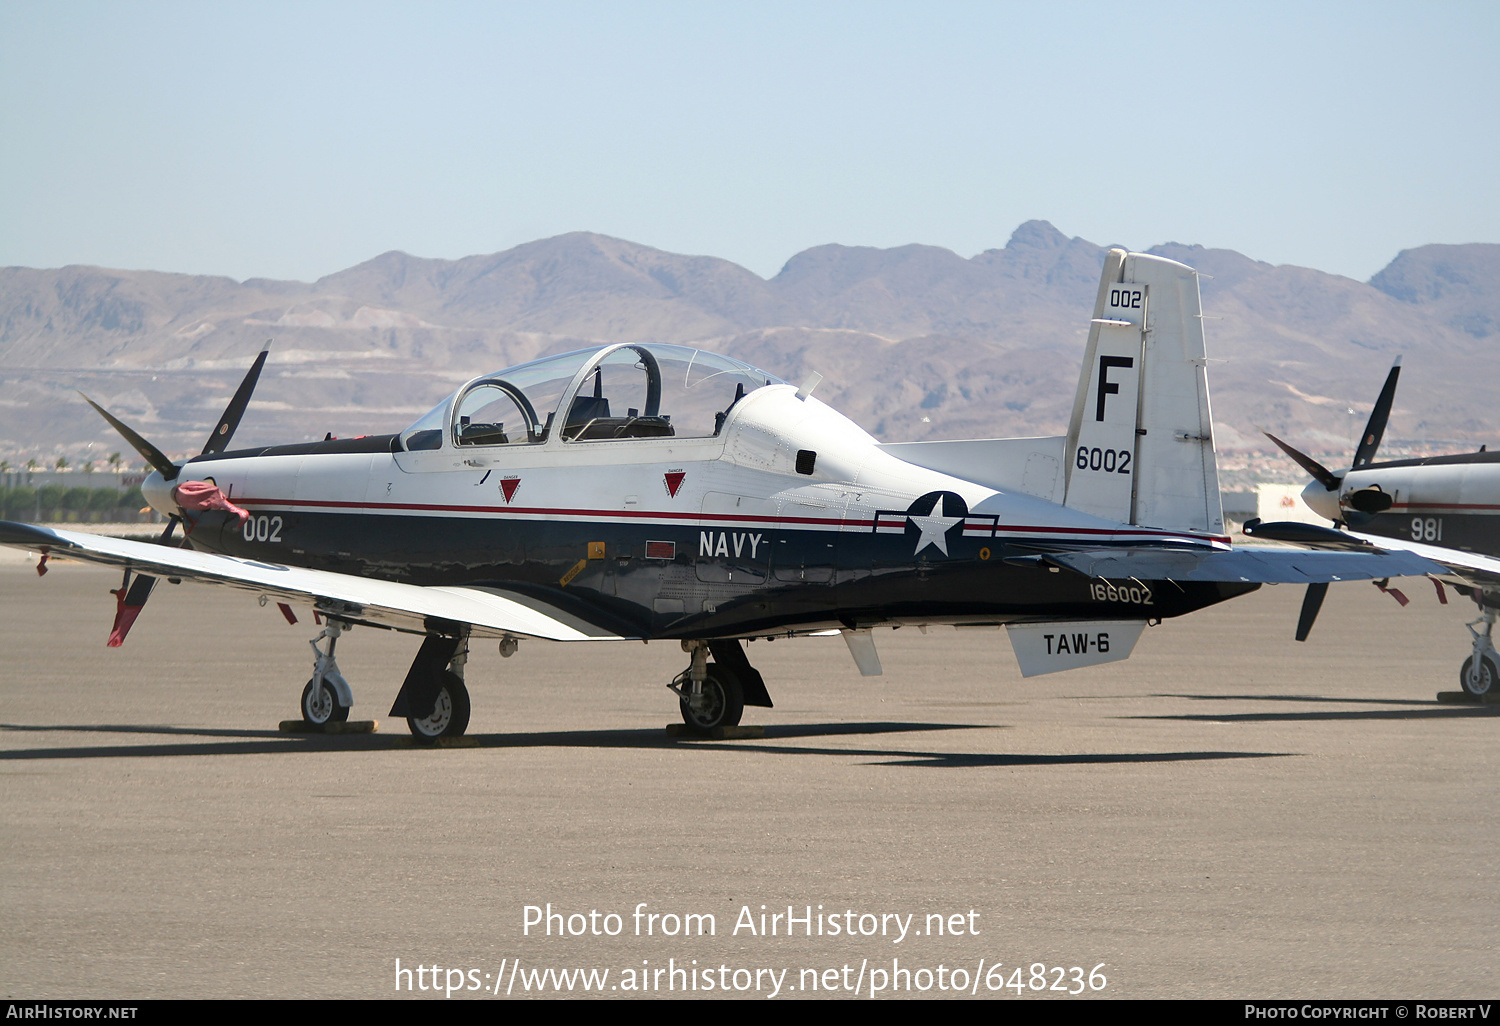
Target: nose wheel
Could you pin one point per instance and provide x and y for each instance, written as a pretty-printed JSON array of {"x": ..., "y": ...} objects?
[
  {"x": 1478, "y": 678},
  {"x": 320, "y": 705}
]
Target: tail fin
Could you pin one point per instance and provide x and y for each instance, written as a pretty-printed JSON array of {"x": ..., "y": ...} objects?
[{"x": 1140, "y": 445}]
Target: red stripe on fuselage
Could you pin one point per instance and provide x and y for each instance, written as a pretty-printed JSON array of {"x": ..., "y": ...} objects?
[{"x": 509, "y": 512}]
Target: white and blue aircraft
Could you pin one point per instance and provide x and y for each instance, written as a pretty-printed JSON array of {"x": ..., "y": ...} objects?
[
  {"x": 1445, "y": 508},
  {"x": 654, "y": 492}
]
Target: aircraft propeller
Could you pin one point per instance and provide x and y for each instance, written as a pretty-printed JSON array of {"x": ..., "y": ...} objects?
[
  {"x": 1366, "y": 500},
  {"x": 1330, "y": 504},
  {"x": 132, "y": 594}
]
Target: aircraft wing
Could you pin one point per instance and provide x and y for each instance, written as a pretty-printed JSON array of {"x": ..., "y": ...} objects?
[
  {"x": 1470, "y": 567},
  {"x": 1262, "y": 565},
  {"x": 386, "y": 603}
]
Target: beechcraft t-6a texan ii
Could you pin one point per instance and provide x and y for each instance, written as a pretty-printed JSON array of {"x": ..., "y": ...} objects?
[
  {"x": 653, "y": 492},
  {"x": 1440, "y": 507}
]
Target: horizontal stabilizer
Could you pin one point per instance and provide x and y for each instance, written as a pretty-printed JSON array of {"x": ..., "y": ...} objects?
[
  {"x": 1253, "y": 565},
  {"x": 1050, "y": 647}
]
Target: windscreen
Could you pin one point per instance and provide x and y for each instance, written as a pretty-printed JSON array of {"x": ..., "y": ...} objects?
[{"x": 631, "y": 391}]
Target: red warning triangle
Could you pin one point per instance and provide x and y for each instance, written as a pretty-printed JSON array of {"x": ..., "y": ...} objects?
[
  {"x": 508, "y": 485},
  {"x": 674, "y": 481}
]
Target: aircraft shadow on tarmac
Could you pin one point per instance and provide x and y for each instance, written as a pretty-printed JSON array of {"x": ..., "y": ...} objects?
[
  {"x": 1425, "y": 710},
  {"x": 264, "y": 742}
]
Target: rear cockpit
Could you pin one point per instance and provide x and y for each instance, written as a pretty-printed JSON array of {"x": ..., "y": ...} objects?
[{"x": 630, "y": 390}]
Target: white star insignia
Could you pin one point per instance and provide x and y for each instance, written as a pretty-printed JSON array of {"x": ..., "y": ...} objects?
[{"x": 934, "y": 527}]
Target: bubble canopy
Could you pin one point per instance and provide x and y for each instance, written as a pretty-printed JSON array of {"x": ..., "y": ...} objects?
[{"x": 629, "y": 390}]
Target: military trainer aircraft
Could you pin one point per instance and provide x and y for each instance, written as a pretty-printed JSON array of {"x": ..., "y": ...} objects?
[
  {"x": 654, "y": 492},
  {"x": 1441, "y": 507}
]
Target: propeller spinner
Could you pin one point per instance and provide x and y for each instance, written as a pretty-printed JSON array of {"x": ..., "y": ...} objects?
[{"x": 1325, "y": 500}]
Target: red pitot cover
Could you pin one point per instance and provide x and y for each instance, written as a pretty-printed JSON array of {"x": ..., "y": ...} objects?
[{"x": 205, "y": 495}]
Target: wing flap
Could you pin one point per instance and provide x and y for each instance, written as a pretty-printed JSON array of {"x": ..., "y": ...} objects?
[
  {"x": 385, "y": 602},
  {"x": 1246, "y": 564}
]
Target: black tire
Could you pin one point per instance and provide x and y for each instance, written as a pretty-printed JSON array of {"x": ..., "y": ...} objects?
[
  {"x": 325, "y": 707},
  {"x": 724, "y": 701},
  {"x": 1481, "y": 683},
  {"x": 450, "y": 713}
]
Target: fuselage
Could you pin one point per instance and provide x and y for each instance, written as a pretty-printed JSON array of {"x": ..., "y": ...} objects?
[
  {"x": 1452, "y": 501},
  {"x": 787, "y": 518}
]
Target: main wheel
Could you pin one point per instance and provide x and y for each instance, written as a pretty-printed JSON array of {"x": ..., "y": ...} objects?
[
  {"x": 450, "y": 713},
  {"x": 322, "y": 706},
  {"x": 1478, "y": 680},
  {"x": 721, "y": 703}
]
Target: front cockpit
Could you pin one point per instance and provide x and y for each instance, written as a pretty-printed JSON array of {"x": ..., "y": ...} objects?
[{"x": 629, "y": 390}]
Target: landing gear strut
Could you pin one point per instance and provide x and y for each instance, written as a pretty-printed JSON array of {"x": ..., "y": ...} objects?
[
  {"x": 1479, "y": 675},
  {"x": 433, "y": 698},
  {"x": 327, "y": 696}
]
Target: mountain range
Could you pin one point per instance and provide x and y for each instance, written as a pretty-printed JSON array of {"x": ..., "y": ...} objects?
[{"x": 914, "y": 342}]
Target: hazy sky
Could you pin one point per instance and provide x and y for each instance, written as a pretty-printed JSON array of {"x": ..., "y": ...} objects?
[{"x": 293, "y": 140}]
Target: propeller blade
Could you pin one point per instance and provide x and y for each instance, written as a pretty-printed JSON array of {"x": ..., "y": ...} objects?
[
  {"x": 150, "y": 453},
  {"x": 1311, "y": 603},
  {"x": 224, "y": 431},
  {"x": 140, "y": 590},
  {"x": 1370, "y": 440},
  {"x": 129, "y": 601},
  {"x": 1325, "y": 477}
]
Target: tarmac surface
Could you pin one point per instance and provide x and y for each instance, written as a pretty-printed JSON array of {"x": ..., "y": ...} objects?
[{"x": 1226, "y": 814}]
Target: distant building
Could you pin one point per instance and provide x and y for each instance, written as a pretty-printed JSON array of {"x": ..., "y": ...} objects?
[
  {"x": 1239, "y": 506},
  {"x": 1284, "y": 502}
]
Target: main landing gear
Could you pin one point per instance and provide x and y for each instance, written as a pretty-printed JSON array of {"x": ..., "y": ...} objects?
[
  {"x": 714, "y": 694},
  {"x": 433, "y": 698},
  {"x": 1479, "y": 675}
]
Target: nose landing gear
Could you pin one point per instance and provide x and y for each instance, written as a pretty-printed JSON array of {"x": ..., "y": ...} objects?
[
  {"x": 1479, "y": 676},
  {"x": 327, "y": 696}
]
